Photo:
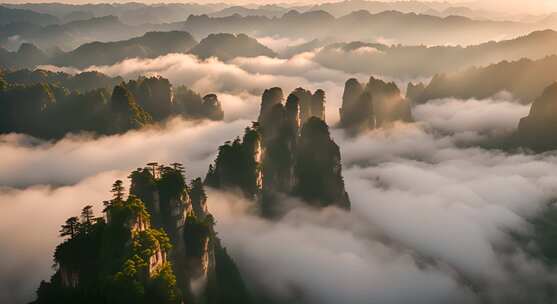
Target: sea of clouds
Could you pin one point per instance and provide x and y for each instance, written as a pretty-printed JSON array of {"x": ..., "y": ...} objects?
[
  {"x": 430, "y": 220},
  {"x": 432, "y": 216}
]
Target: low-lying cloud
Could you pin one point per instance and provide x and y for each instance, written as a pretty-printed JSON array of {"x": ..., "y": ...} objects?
[
  {"x": 280, "y": 44},
  {"x": 29, "y": 223},
  {"x": 431, "y": 212},
  {"x": 29, "y": 162},
  {"x": 433, "y": 219},
  {"x": 239, "y": 77}
]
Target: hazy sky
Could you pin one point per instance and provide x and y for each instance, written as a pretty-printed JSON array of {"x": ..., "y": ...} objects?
[{"x": 537, "y": 6}]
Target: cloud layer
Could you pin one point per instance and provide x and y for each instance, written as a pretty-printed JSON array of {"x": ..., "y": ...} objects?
[
  {"x": 29, "y": 162},
  {"x": 241, "y": 77},
  {"x": 430, "y": 221},
  {"x": 429, "y": 216}
]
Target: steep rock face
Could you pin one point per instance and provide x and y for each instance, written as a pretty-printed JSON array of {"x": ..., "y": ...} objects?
[
  {"x": 198, "y": 199},
  {"x": 305, "y": 101},
  {"x": 278, "y": 153},
  {"x": 414, "y": 91},
  {"x": 293, "y": 118},
  {"x": 318, "y": 168},
  {"x": 318, "y": 104},
  {"x": 376, "y": 105},
  {"x": 68, "y": 277},
  {"x": 212, "y": 107},
  {"x": 270, "y": 98},
  {"x": 238, "y": 165},
  {"x": 163, "y": 189},
  {"x": 116, "y": 252},
  {"x": 357, "y": 108},
  {"x": 181, "y": 210},
  {"x": 388, "y": 103},
  {"x": 537, "y": 130},
  {"x": 277, "y": 165}
]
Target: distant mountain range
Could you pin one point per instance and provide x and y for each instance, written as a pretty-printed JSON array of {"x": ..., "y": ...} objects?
[
  {"x": 525, "y": 79},
  {"x": 392, "y": 26},
  {"x": 150, "y": 45},
  {"x": 8, "y": 15},
  {"x": 169, "y": 12},
  {"x": 230, "y": 46},
  {"x": 69, "y": 35},
  {"x": 405, "y": 22},
  {"x": 422, "y": 61}
]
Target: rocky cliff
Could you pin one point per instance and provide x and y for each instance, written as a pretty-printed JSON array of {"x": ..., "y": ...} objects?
[
  {"x": 118, "y": 258},
  {"x": 279, "y": 155},
  {"x": 29, "y": 100},
  {"x": 373, "y": 105},
  {"x": 317, "y": 170},
  {"x": 537, "y": 130},
  {"x": 156, "y": 246},
  {"x": 181, "y": 210}
]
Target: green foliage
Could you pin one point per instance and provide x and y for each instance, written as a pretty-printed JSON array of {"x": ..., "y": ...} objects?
[
  {"x": 126, "y": 112},
  {"x": 190, "y": 104},
  {"x": 162, "y": 287},
  {"x": 3, "y": 84},
  {"x": 112, "y": 259},
  {"x": 198, "y": 196},
  {"x": 171, "y": 183},
  {"x": 124, "y": 259},
  {"x": 235, "y": 166},
  {"x": 23, "y": 109},
  {"x": 147, "y": 242},
  {"x": 118, "y": 190},
  {"x": 82, "y": 82},
  {"x": 70, "y": 228},
  {"x": 31, "y": 100},
  {"x": 143, "y": 185}
]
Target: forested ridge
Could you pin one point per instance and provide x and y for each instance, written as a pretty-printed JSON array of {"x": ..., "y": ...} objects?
[
  {"x": 51, "y": 105},
  {"x": 149, "y": 246}
]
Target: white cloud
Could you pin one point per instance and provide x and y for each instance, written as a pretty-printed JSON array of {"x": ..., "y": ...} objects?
[
  {"x": 430, "y": 220},
  {"x": 73, "y": 158}
]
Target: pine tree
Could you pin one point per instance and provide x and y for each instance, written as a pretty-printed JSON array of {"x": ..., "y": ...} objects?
[
  {"x": 87, "y": 215},
  {"x": 71, "y": 227},
  {"x": 178, "y": 167},
  {"x": 118, "y": 190},
  {"x": 87, "y": 218},
  {"x": 154, "y": 166}
]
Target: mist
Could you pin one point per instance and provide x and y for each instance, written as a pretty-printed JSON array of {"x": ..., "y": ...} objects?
[
  {"x": 454, "y": 205},
  {"x": 431, "y": 212},
  {"x": 241, "y": 80},
  {"x": 432, "y": 218}
]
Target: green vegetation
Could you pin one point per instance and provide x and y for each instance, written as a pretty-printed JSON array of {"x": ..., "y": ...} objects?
[
  {"x": 38, "y": 103},
  {"x": 118, "y": 258},
  {"x": 276, "y": 157},
  {"x": 236, "y": 165}
]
